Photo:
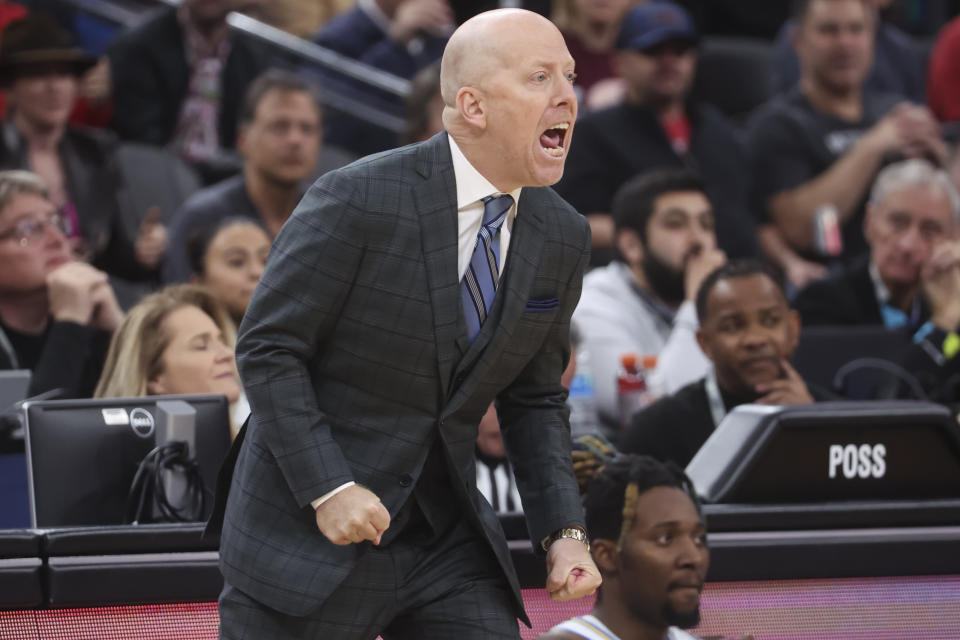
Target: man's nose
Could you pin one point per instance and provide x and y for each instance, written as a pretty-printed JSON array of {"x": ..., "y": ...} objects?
[
  {"x": 566, "y": 94},
  {"x": 688, "y": 552},
  {"x": 910, "y": 239},
  {"x": 754, "y": 335}
]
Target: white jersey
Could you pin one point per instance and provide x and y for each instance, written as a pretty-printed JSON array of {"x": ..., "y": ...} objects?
[{"x": 590, "y": 628}]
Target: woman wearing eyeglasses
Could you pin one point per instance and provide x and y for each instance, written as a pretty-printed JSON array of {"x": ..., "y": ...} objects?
[{"x": 56, "y": 313}]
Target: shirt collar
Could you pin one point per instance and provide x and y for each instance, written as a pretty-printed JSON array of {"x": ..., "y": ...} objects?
[
  {"x": 471, "y": 185},
  {"x": 880, "y": 289},
  {"x": 893, "y": 317}
]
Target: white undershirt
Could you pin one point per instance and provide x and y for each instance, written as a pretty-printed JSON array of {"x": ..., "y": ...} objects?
[{"x": 472, "y": 187}]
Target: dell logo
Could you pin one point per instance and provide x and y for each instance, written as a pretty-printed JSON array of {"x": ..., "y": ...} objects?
[
  {"x": 864, "y": 461},
  {"x": 142, "y": 422}
]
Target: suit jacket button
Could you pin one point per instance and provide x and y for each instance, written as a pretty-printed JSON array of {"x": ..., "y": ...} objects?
[{"x": 406, "y": 480}]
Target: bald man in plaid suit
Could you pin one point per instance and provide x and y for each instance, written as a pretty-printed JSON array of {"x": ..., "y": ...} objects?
[{"x": 407, "y": 292}]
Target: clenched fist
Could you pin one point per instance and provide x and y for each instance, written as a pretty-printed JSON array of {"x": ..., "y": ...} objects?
[{"x": 353, "y": 515}]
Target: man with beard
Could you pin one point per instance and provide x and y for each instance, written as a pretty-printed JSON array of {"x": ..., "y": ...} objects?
[
  {"x": 749, "y": 332},
  {"x": 644, "y": 304},
  {"x": 649, "y": 540}
]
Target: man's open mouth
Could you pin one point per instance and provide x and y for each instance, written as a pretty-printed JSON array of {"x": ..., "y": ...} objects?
[{"x": 552, "y": 140}]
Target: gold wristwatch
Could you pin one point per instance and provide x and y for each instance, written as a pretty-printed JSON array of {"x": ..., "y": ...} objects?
[{"x": 576, "y": 533}]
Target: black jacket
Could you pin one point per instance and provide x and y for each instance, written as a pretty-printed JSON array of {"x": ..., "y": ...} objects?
[
  {"x": 150, "y": 75},
  {"x": 849, "y": 298},
  {"x": 613, "y": 145}
]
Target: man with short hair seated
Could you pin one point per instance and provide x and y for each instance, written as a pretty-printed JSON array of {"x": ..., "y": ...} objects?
[
  {"x": 913, "y": 210},
  {"x": 279, "y": 138},
  {"x": 748, "y": 332},
  {"x": 651, "y": 588}
]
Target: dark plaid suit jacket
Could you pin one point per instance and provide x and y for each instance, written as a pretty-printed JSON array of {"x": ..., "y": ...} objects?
[{"x": 354, "y": 358}]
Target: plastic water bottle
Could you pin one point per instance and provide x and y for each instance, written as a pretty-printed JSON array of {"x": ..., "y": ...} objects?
[
  {"x": 582, "y": 399},
  {"x": 631, "y": 388},
  {"x": 654, "y": 391}
]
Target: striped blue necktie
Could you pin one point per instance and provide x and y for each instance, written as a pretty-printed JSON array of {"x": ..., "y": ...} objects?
[{"x": 479, "y": 284}]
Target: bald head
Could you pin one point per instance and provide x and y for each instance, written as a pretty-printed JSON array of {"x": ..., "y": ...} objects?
[
  {"x": 507, "y": 84},
  {"x": 481, "y": 45}
]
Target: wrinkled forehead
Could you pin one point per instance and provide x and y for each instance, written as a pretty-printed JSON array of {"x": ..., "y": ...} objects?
[{"x": 923, "y": 201}]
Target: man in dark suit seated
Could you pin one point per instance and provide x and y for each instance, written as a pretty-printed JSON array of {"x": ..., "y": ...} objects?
[
  {"x": 748, "y": 332},
  {"x": 913, "y": 209},
  {"x": 179, "y": 78},
  {"x": 377, "y": 338}
]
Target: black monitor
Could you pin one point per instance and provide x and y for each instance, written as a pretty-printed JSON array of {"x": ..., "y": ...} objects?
[
  {"x": 13, "y": 386},
  {"x": 82, "y": 454},
  {"x": 824, "y": 353},
  {"x": 830, "y": 451}
]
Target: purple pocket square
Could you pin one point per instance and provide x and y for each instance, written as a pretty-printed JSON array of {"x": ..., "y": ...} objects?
[{"x": 542, "y": 304}]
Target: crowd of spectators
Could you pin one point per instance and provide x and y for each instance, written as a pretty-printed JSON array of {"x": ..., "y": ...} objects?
[{"x": 843, "y": 184}]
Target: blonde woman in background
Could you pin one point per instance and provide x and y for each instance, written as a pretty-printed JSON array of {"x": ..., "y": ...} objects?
[{"x": 179, "y": 340}]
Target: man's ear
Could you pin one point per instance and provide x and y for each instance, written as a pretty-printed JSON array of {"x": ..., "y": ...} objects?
[
  {"x": 618, "y": 62},
  {"x": 472, "y": 108},
  {"x": 630, "y": 246},
  {"x": 704, "y": 344},
  {"x": 793, "y": 36},
  {"x": 605, "y": 554}
]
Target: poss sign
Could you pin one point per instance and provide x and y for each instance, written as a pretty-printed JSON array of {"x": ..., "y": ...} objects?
[{"x": 831, "y": 451}]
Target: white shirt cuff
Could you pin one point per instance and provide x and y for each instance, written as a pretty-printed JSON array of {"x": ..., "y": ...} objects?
[{"x": 319, "y": 501}]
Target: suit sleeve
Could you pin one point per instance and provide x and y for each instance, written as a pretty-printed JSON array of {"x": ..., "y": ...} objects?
[
  {"x": 294, "y": 309},
  {"x": 535, "y": 421}
]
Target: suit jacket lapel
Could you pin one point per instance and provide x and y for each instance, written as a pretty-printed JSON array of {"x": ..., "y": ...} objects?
[
  {"x": 435, "y": 198},
  {"x": 523, "y": 258}
]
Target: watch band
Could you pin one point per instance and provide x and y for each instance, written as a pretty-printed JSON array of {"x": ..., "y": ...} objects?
[{"x": 575, "y": 533}]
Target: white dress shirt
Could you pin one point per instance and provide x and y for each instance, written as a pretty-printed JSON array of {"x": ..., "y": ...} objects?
[{"x": 472, "y": 188}]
